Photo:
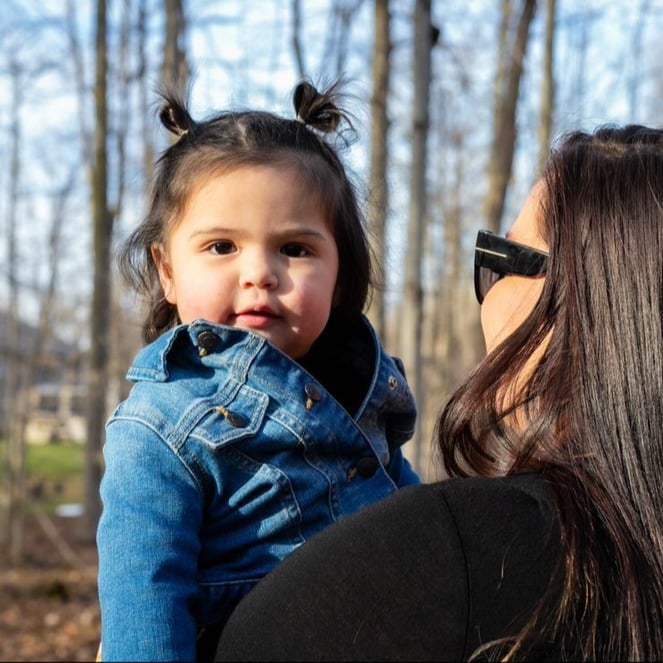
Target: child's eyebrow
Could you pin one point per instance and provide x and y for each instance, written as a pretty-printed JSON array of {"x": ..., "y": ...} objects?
[
  {"x": 241, "y": 233},
  {"x": 215, "y": 230}
]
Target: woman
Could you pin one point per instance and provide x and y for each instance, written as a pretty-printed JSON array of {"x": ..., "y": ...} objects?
[{"x": 547, "y": 540}]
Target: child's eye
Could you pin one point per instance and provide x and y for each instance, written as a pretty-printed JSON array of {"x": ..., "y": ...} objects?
[
  {"x": 221, "y": 248},
  {"x": 294, "y": 250}
]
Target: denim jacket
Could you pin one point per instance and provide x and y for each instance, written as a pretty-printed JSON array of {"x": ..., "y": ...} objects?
[{"x": 226, "y": 456}]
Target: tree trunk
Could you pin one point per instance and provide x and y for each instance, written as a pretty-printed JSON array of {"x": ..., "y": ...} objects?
[
  {"x": 547, "y": 85},
  {"x": 504, "y": 126},
  {"x": 144, "y": 93},
  {"x": 636, "y": 77},
  {"x": 175, "y": 69},
  {"x": 102, "y": 231},
  {"x": 345, "y": 12},
  {"x": 379, "y": 198},
  {"x": 78, "y": 60},
  {"x": 297, "y": 39},
  {"x": 12, "y": 525},
  {"x": 412, "y": 319}
]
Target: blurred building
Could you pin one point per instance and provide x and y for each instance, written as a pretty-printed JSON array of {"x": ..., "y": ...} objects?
[{"x": 49, "y": 382}]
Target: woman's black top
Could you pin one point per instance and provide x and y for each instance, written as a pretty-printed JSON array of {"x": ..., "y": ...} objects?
[{"x": 430, "y": 573}]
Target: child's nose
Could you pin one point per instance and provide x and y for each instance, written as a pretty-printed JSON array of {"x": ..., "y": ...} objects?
[{"x": 258, "y": 272}]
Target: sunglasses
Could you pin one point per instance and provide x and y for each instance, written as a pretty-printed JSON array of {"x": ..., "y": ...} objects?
[{"x": 496, "y": 256}]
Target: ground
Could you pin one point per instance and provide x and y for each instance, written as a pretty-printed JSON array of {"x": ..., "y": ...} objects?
[{"x": 48, "y": 604}]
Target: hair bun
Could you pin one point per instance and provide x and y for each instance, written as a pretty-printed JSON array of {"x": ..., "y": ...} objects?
[
  {"x": 174, "y": 115},
  {"x": 316, "y": 109}
]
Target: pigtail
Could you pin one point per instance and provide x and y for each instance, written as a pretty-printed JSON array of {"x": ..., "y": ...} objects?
[
  {"x": 175, "y": 116},
  {"x": 319, "y": 110}
]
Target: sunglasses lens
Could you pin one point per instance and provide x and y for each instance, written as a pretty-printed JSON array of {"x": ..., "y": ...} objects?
[
  {"x": 496, "y": 256},
  {"x": 485, "y": 279}
]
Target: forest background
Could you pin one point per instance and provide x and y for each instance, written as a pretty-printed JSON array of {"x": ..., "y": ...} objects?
[{"x": 456, "y": 104}]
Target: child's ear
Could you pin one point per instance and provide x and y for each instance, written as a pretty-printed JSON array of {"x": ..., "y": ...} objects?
[{"x": 165, "y": 272}]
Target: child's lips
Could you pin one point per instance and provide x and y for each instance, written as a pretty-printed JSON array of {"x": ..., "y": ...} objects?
[{"x": 256, "y": 318}]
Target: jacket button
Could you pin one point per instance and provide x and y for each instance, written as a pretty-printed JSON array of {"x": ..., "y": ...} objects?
[
  {"x": 367, "y": 466},
  {"x": 207, "y": 341},
  {"x": 236, "y": 420},
  {"x": 313, "y": 394}
]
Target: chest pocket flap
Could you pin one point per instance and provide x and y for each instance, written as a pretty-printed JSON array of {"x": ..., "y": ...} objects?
[{"x": 236, "y": 419}]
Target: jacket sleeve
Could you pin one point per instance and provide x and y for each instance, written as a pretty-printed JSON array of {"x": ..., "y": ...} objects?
[{"x": 148, "y": 548}]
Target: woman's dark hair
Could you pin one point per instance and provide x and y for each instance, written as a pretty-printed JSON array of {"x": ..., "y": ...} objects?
[
  {"x": 594, "y": 402},
  {"x": 236, "y": 139}
]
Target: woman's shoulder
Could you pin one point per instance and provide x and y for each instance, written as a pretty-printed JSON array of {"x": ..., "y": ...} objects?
[
  {"x": 477, "y": 499},
  {"x": 509, "y": 534},
  {"x": 505, "y": 531},
  {"x": 488, "y": 499},
  {"x": 484, "y": 517}
]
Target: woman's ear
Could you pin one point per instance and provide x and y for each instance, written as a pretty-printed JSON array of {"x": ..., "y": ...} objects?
[{"x": 165, "y": 272}]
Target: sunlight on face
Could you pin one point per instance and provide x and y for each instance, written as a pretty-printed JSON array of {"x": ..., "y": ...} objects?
[
  {"x": 508, "y": 303},
  {"x": 513, "y": 297}
]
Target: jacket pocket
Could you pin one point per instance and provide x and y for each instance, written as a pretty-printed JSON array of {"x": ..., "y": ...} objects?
[{"x": 235, "y": 419}]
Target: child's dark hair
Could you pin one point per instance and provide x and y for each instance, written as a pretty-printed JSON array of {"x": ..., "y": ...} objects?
[{"x": 235, "y": 139}]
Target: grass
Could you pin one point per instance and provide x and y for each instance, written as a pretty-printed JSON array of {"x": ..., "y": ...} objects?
[
  {"x": 54, "y": 473},
  {"x": 58, "y": 462}
]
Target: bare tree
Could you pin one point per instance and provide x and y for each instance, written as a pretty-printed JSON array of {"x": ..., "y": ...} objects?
[
  {"x": 77, "y": 56},
  {"x": 37, "y": 355},
  {"x": 102, "y": 219},
  {"x": 124, "y": 79},
  {"x": 455, "y": 334},
  {"x": 547, "y": 83},
  {"x": 379, "y": 198},
  {"x": 28, "y": 353},
  {"x": 28, "y": 344},
  {"x": 635, "y": 58},
  {"x": 144, "y": 103},
  {"x": 131, "y": 70},
  {"x": 507, "y": 86},
  {"x": 175, "y": 69},
  {"x": 343, "y": 14},
  {"x": 15, "y": 459},
  {"x": 125, "y": 336},
  {"x": 425, "y": 36},
  {"x": 297, "y": 38}
]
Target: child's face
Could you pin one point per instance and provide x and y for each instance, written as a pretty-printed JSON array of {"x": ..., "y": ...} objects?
[{"x": 253, "y": 250}]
